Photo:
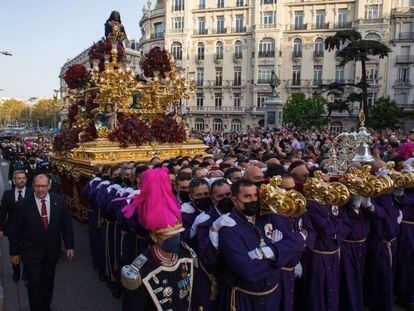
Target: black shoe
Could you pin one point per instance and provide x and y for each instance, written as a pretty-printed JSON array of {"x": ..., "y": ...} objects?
[
  {"x": 16, "y": 276},
  {"x": 103, "y": 277}
]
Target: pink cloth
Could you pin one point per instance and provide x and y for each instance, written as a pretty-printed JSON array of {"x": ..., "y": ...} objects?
[
  {"x": 158, "y": 208},
  {"x": 406, "y": 149}
]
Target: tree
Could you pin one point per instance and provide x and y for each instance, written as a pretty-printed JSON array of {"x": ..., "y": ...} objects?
[
  {"x": 46, "y": 111},
  {"x": 305, "y": 113},
  {"x": 384, "y": 114},
  {"x": 11, "y": 110},
  {"x": 352, "y": 48}
]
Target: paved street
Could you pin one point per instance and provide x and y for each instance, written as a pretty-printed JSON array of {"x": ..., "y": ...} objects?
[{"x": 77, "y": 286}]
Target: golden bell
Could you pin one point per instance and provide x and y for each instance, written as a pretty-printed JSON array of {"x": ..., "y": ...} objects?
[
  {"x": 276, "y": 200},
  {"x": 334, "y": 193}
]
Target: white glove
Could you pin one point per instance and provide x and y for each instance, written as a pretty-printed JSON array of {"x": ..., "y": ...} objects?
[
  {"x": 199, "y": 220},
  {"x": 298, "y": 270},
  {"x": 398, "y": 192},
  {"x": 365, "y": 202},
  {"x": 400, "y": 217},
  {"x": 214, "y": 238},
  {"x": 276, "y": 236},
  {"x": 223, "y": 221},
  {"x": 255, "y": 254}
]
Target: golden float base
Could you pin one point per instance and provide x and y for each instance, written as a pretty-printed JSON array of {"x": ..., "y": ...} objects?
[{"x": 80, "y": 161}]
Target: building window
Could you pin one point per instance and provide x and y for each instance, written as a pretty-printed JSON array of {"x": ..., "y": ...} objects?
[
  {"x": 265, "y": 74},
  {"x": 240, "y": 23},
  {"x": 178, "y": 23},
  {"x": 176, "y": 50},
  {"x": 261, "y": 99},
  {"x": 401, "y": 98},
  {"x": 178, "y": 5},
  {"x": 200, "y": 100},
  {"x": 320, "y": 19},
  {"x": 199, "y": 124},
  {"x": 269, "y": 18},
  {"x": 317, "y": 75},
  {"x": 372, "y": 98},
  {"x": 372, "y": 74},
  {"x": 202, "y": 25},
  {"x": 404, "y": 74},
  {"x": 267, "y": 47},
  {"x": 219, "y": 50},
  {"x": 296, "y": 75},
  {"x": 268, "y": 1},
  {"x": 200, "y": 51},
  {"x": 297, "y": 48},
  {"x": 202, "y": 4},
  {"x": 238, "y": 50},
  {"x": 217, "y": 125},
  {"x": 218, "y": 99},
  {"x": 236, "y": 100},
  {"x": 373, "y": 37},
  {"x": 220, "y": 24},
  {"x": 319, "y": 47},
  {"x": 342, "y": 18},
  {"x": 220, "y": 3},
  {"x": 159, "y": 30},
  {"x": 372, "y": 11},
  {"x": 340, "y": 74},
  {"x": 236, "y": 125},
  {"x": 239, "y": 2},
  {"x": 237, "y": 76},
  {"x": 336, "y": 127},
  {"x": 219, "y": 76},
  {"x": 299, "y": 20},
  {"x": 200, "y": 76}
]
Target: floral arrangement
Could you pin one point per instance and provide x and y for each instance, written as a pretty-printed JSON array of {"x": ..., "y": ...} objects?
[
  {"x": 76, "y": 76},
  {"x": 67, "y": 139},
  {"x": 102, "y": 48},
  {"x": 130, "y": 131},
  {"x": 156, "y": 59},
  {"x": 167, "y": 130}
]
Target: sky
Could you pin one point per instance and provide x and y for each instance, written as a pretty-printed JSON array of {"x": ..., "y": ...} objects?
[{"x": 43, "y": 34}]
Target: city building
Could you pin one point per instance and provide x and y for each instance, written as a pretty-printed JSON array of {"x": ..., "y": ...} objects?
[{"x": 232, "y": 46}]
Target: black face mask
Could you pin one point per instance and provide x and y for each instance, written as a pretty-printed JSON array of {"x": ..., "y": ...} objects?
[
  {"x": 184, "y": 196},
  {"x": 225, "y": 205},
  {"x": 251, "y": 208},
  {"x": 202, "y": 204},
  {"x": 128, "y": 182},
  {"x": 117, "y": 180},
  {"x": 259, "y": 183},
  {"x": 32, "y": 161},
  {"x": 106, "y": 177}
]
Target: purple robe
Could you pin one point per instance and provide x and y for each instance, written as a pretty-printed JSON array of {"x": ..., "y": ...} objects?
[
  {"x": 353, "y": 259},
  {"x": 238, "y": 270},
  {"x": 404, "y": 275},
  {"x": 381, "y": 254},
  {"x": 321, "y": 266}
]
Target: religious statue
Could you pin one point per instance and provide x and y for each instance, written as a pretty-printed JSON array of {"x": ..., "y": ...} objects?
[
  {"x": 274, "y": 83},
  {"x": 110, "y": 117},
  {"x": 114, "y": 30}
]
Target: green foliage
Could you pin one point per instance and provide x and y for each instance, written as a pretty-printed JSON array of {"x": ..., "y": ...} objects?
[
  {"x": 305, "y": 113},
  {"x": 11, "y": 110},
  {"x": 384, "y": 114}
]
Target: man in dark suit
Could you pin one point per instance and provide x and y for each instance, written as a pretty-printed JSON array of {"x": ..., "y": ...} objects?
[
  {"x": 8, "y": 204},
  {"x": 39, "y": 223},
  {"x": 31, "y": 167}
]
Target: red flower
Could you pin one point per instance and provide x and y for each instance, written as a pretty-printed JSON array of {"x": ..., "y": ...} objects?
[{"x": 76, "y": 76}]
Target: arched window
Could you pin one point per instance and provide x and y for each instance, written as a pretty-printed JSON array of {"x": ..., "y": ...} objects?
[
  {"x": 177, "y": 50},
  {"x": 373, "y": 37},
  {"x": 219, "y": 50},
  {"x": 297, "y": 47},
  {"x": 236, "y": 125},
  {"x": 267, "y": 47},
  {"x": 319, "y": 47},
  {"x": 200, "y": 51},
  {"x": 217, "y": 125},
  {"x": 238, "y": 50},
  {"x": 336, "y": 127},
  {"x": 199, "y": 124}
]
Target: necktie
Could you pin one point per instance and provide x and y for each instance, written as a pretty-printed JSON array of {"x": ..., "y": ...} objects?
[
  {"x": 20, "y": 196},
  {"x": 44, "y": 215}
]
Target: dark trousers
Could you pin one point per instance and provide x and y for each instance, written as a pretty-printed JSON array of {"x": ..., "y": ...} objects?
[
  {"x": 16, "y": 269},
  {"x": 41, "y": 277}
]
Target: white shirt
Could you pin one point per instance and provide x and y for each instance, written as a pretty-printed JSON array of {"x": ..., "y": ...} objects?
[
  {"x": 39, "y": 206},
  {"x": 16, "y": 193}
]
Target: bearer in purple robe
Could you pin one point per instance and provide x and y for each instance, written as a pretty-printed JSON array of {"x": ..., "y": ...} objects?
[{"x": 252, "y": 251}]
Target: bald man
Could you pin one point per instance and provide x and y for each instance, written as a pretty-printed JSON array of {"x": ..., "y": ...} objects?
[{"x": 254, "y": 174}]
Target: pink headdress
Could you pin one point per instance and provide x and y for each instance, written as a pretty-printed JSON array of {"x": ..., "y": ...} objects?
[{"x": 158, "y": 208}]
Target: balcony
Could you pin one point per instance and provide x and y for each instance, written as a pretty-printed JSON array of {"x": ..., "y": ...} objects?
[
  {"x": 370, "y": 21},
  {"x": 264, "y": 54},
  {"x": 405, "y": 59},
  {"x": 157, "y": 35},
  {"x": 263, "y": 81},
  {"x": 299, "y": 27},
  {"x": 178, "y": 7},
  {"x": 201, "y": 32},
  {"x": 220, "y": 31},
  {"x": 406, "y": 36},
  {"x": 344, "y": 25},
  {"x": 402, "y": 84},
  {"x": 266, "y": 26},
  {"x": 199, "y": 59},
  {"x": 237, "y": 57},
  {"x": 218, "y": 58},
  {"x": 294, "y": 83},
  {"x": 318, "y": 54},
  {"x": 320, "y": 26},
  {"x": 297, "y": 54},
  {"x": 219, "y": 109},
  {"x": 317, "y": 82},
  {"x": 239, "y": 29}
]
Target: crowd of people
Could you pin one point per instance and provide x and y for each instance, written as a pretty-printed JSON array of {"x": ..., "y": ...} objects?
[{"x": 187, "y": 233}]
